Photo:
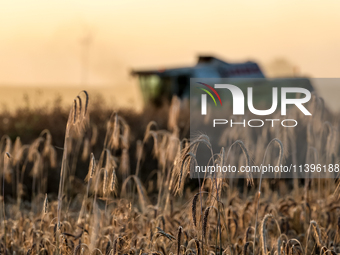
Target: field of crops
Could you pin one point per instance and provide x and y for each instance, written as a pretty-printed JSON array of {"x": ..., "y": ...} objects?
[{"x": 97, "y": 182}]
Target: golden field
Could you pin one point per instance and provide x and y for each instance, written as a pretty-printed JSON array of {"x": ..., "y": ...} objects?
[
  {"x": 14, "y": 97},
  {"x": 136, "y": 197}
]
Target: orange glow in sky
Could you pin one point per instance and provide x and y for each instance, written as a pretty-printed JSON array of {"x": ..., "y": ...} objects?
[{"x": 41, "y": 40}]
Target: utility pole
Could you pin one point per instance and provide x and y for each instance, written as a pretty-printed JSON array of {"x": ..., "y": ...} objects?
[{"x": 85, "y": 44}]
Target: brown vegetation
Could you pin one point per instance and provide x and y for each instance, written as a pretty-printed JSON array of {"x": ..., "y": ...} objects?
[{"x": 134, "y": 201}]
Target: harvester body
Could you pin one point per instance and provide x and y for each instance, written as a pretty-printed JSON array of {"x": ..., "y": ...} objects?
[{"x": 159, "y": 86}]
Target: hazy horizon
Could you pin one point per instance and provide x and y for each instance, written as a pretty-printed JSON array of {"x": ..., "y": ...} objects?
[{"x": 43, "y": 42}]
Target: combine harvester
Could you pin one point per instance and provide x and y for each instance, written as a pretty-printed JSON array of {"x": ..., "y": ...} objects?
[{"x": 158, "y": 86}]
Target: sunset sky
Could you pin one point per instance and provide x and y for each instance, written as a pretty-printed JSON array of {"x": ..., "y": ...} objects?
[{"x": 41, "y": 40}]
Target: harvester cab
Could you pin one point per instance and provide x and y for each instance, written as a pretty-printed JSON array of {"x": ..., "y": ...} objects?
[{"x": 157, "y": 85}]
